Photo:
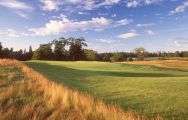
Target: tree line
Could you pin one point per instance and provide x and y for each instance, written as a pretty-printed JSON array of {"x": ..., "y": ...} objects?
[{"x": 74, "y": 49}]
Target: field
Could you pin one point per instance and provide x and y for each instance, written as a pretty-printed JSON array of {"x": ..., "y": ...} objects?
[
  {"x": 27, "y": 95},
  {"x": 146, "y": 89},
  {"x": 163, "y": 63}
]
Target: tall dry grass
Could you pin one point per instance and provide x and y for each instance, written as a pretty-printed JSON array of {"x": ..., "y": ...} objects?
[
  {"x": 42, "y": 99},
  {"x": 162, "y": 63}
]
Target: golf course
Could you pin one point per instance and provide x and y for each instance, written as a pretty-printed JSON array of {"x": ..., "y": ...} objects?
[{"x": 145, "y": 89}]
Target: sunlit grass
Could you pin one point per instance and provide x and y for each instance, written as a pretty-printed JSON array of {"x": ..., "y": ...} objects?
[
  {"x": 27, "y": 95},
  {"x": 145, "y": 89}
]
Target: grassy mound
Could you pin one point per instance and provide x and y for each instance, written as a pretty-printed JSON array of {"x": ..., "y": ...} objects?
[{"x": 26, "y": 94}]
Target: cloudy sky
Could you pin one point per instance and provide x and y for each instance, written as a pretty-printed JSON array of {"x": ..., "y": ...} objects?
[{"x": 107, "y": 25}]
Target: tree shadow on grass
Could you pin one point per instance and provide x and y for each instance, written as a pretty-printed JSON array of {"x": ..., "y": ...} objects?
[
  {"x": 59, "y": 71},
  {"x": 76, "y": 79}
]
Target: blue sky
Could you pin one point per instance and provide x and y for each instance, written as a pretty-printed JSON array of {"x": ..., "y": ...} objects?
[{"x": 107, "y": 25}]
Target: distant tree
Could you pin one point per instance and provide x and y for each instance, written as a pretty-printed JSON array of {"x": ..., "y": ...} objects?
[
  {"x": 36, "y": 54},
  {"x": 59, "y": 48},
  {"x": 119, "y": 56},
  {"x": 1, "y": 50},
  {"x": 76, "y": 48},
  {"x": 90, "y": 55},
  {"x": 30, "y": 53},
  {"x": 184, "y": 54},
  {"x": 11, "y": 54},
  {"x": 140, "y": 52},
  {"x": 5, "y": 53},
  {"x": 1, "y": 47},
  {"x": 30, "y": 49},
  {"x": 130, "y": 59},
  {"x": 44, "y": 52},
  {"x": 11, "y": 49},
  {"x": 105, "y": 56},
  {"x": 25, "y": 51}
]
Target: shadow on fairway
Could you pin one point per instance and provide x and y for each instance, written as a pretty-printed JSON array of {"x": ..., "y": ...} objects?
[
  {"x": 102, "y": 84},
  {"x": 77, "y": 73}
]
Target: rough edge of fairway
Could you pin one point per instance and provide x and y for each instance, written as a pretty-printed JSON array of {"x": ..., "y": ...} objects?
[
  {"x": 162, "y": 63},
  {"x": 63, "y": 102}
]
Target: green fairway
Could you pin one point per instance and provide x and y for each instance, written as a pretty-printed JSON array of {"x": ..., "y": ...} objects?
[{"x": 147, "y": 90}]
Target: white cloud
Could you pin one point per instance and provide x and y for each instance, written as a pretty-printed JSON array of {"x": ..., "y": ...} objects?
[
  {"x": 123, "y": 22},
  {"x": 114, "y": 15},
  {"x": 51, "y": 5},
  {"x": 102, "y": 14},
  {"x": 145, "y": 25},
  {"x": 66, "y": 25},
  {"x": 136, "y": 3},
  {"x": 180, "y": 42},
  {"x": 83, "y": 13},
  {"x": 99, "y": 29},
  {"x": 14, "y": 4},
  {"x": 132, "y": 4},
  {"x": 150, "y": 32},
  {"x": 180, "y": 8},
  {"x": 107, "y": 41},
  {"x": 93, "y": 4},
  {"x": 63, "y": 24},
  {"x": 13, "y": 33},
  {"x": 128, "y": 35},
  {"x": 21, "y": 14},
  {"x": 107, "y": 45}
]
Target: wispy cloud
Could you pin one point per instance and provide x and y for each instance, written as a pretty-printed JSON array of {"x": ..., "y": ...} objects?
[
  {"x": 15, "y": 4},
  {"x": 83, "y": 13},
  {"x": 150, "y": 32},
  {"x": 123, "y": 22},
  {"x": 128, "y": 35},
  {"x": 107, "y": 41},
  {"x": 180, "y": 8},
  {"x": 14, "y": 33},
  {"x": 17, "y": 7},
  {"x": 106, "y": 45},
  {"x": 21, "y": 14},
  {"x": 180, "y": 42},
  {"x": 136, "y": 3},
  {"x": 51, "y": 5},
  {"x": 145, "y": 25}
]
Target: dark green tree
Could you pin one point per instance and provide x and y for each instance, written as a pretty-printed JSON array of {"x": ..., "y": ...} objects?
[
  {"x": 140, "y": 52},
  {"x": 30, "y": 53},
  {"x": 1, "y": 50},
  {"x": 119, "y": 56},
  {"x": 76, "y": 48},
  {"x": 90, "y": 55},
  {"x": 30, "y": 49},
  {"x": 59, "y": 48},
  {"x": 44, "y": 52}
]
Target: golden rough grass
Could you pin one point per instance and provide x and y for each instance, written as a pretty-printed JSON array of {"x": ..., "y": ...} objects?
[
  {"x": 162, "y": 63},
  {"x": 51, "y": 101}
]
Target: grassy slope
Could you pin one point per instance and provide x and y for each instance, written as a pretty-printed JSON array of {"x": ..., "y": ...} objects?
[
  {"x": 147, "y": 89},
  {"x": 27, "y": 95}
]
